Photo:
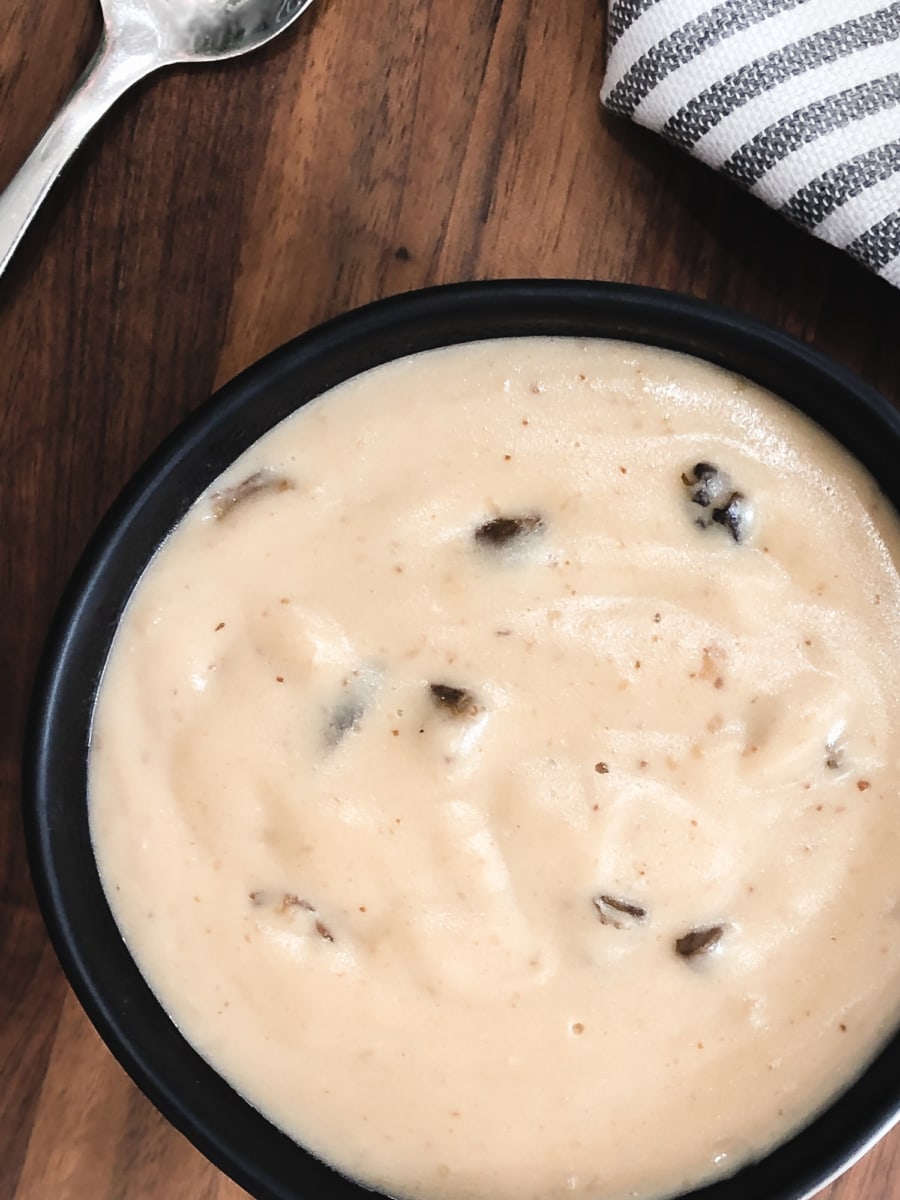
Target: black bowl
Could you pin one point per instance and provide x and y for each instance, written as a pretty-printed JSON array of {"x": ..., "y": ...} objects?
[{"x": 102, "y": 973}]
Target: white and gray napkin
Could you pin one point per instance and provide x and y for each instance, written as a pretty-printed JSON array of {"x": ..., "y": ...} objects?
[{"x": 798, "y": 101}]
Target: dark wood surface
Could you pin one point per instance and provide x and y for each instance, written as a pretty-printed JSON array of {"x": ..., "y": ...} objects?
[{"x": 217, "y": 212}]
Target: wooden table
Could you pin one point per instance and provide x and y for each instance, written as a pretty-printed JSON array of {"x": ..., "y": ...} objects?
[{"x": 378, "y": 147}]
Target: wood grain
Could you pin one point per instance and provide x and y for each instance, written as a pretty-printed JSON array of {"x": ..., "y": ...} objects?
[{"x": 219, "y": 211}]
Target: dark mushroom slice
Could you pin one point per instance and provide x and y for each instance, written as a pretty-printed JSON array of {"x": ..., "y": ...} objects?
[
  {"x": 225, "y": 502},
  {"x": 343, "y": 719},
  {"x": 291, "y": 902},
  {"x": 707, "y": 483},
  {"x": 509, "y": 531},
  {"x": 455, "y": 700},
  {"x": 720, "y": 503},
  {"x": 360, "y": 688},
  {"x": 621, "y": 914},
  {"x": 733, "y": 516},
  {"x": 698, "y": 941}
]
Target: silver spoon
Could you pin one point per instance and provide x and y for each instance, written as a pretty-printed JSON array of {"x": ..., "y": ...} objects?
[{"x": 139, "y": 37}]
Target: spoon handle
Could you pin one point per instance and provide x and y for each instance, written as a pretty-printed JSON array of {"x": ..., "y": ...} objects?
[{"x": 111, "y": 72}]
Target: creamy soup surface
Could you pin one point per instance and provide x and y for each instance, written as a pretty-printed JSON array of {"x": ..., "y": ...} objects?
[{"x": 495, "y": 774}]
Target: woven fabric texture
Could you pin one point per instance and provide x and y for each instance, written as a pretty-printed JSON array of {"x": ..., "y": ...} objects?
[{"x": 798, "y": 101}]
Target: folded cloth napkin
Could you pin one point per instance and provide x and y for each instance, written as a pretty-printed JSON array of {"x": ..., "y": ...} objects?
[{"x": 797, "y": 101}]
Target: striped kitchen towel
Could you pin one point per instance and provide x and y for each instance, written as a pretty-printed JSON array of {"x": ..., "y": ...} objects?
[{"x": 796, "y": 100}]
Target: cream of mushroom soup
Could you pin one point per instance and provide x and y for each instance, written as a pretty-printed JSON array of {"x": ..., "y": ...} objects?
[{"x": 495, "y": 773}]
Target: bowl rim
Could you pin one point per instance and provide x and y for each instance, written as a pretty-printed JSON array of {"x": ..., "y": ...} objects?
[{"x": 169, "y": 1071}]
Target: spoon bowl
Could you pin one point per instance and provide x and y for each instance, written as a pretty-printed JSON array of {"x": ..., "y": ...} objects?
[
  {"x": 191, "y": 30},
  {"x": 139, "y": 37}
]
